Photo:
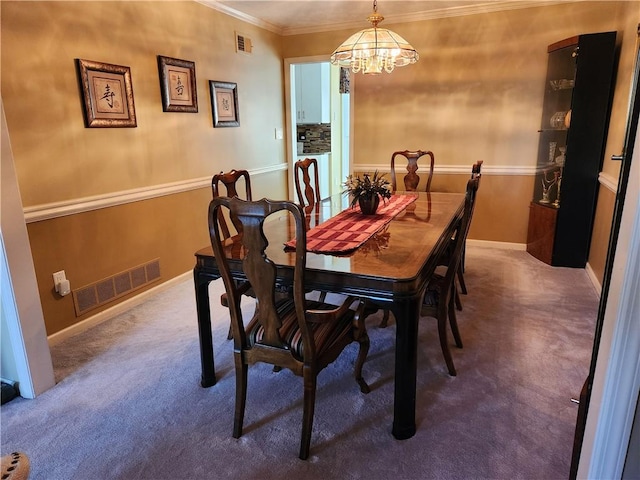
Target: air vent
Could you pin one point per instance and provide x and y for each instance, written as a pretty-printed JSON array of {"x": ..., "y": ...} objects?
[
  {"x": 243, "y": 43},
  {"x": 108, "y": 289}
]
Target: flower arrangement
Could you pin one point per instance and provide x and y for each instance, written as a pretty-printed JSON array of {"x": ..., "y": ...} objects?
[{"x": 367, "y": 187}]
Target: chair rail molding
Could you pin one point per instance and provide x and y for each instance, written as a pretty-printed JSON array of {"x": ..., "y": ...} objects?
[
  {"x": 455, "y": 169},
  {"x": 609, "y": 182},
  {"x": 48, "y": 211}
]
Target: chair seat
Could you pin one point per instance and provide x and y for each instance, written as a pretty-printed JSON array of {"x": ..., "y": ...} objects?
[
  {"x": 432, "y": 295},
  {"x": 326, "y": 334}
]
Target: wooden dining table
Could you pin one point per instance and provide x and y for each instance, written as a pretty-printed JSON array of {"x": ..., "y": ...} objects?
[{"x": 391, "y": 270}]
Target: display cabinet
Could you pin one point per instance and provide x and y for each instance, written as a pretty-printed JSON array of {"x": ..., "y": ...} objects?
[{"x": 575, "y": 117}]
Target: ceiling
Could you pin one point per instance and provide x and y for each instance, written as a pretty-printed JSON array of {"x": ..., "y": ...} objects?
[{"x": 291, "y": 17}]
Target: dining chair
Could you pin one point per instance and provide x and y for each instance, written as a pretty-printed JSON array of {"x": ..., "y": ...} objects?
[
  {"x": 412, "y": 179},
  {"x": 306, "y": 171},
  {"x": 439, "y": 298},
  {"x": 231, "y": 180},
  {"x": 309, "y": 196},
  {"x": 476, "y": 172},
  {"x": 291, "y": 332}
]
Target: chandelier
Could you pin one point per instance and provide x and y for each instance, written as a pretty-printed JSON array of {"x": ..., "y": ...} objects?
[{"x": 374, "y": 49}]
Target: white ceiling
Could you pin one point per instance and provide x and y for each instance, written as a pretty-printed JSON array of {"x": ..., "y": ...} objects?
[{"x": 290, "y": 17}]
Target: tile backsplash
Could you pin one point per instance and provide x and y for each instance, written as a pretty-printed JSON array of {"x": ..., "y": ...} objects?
[{"x": 316, "y": 138}]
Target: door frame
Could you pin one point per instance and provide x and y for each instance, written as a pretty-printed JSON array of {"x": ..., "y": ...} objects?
[
  {"x": 290, "y": 115},
  {"x": 614, "y": 374}
]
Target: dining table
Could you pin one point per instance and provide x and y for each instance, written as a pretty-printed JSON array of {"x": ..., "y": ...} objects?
[{"x": 391, "y": 270}]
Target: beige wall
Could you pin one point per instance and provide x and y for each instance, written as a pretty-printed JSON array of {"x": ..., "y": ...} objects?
[
  {"x": 601, "y": 232},
  {"x": 476, "y": 93},
  {"x": 57, "y": 159}
]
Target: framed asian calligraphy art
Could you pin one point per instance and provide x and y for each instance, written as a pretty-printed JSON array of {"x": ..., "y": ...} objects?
[
  {"x": 224, "y": 103},
  {"x": 178, "y": 85},
  {"x": 107, "y": 94}
]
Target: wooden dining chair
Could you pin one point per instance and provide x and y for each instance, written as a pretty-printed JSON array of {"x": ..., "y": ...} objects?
[
  {"x": 412, "y": 179},
  {"x": 476, "y": 172},
  {"x": 411, "y": 182},
  {"x": 292, "y": 332},
  {"x": 439, "y": 299},
  {"x": 306, "y": 171},
  {"x": 231, "y": 181}
]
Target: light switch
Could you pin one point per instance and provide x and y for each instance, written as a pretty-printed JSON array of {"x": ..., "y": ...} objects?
[{"x": 279, "y": 134}]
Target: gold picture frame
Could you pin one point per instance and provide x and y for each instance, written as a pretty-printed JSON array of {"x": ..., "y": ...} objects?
[
  {"x": 178, "y": 85},
  {"x": 107, "y": 94},
  {"x": 224, "y": 104}
]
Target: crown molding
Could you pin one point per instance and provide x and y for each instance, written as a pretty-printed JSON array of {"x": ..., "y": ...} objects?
[
  {"x": 486, "y": 7},
  {"x": 241, "y": 16}
]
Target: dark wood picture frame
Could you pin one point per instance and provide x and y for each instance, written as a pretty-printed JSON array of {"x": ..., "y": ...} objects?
[
  {"x": 178, "y": 85},
  {"x": 224, "y": 104},
  {"x": 107, "y": 94}
]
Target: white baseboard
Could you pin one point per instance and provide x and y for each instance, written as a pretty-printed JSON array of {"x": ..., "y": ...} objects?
[
  {"x": 109, "y": 313},
  {"x": 138, "y": 299},
  {"x": 494, "y": 244},
  {"x": 594, "y": 280}
]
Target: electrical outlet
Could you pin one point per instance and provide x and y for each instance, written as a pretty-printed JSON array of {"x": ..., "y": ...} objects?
[{"x": 58, "y": 277}]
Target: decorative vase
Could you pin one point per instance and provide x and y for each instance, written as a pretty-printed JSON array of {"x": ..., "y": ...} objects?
[{"x": 368, "y": 204}]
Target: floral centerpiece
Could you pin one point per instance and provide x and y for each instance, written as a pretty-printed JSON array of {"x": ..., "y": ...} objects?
[{"x": 367, "y": 191}]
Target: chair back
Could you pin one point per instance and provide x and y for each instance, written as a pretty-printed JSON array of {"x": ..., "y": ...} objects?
[
  {"x": 476, "y": 174},
  {"x": 476, "y": 169},
  {"x": 230, "y": 181},
  {"x": 307, "y": 171},
  {"x": 411, "y": 179},
  {"x": 271, "y": 345},
  {"x": 455, "y": 254}
]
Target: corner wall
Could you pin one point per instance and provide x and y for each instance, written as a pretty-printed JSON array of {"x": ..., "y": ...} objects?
[
  {"x": 62, "y": 165},
  {"x": 476, "y": 94}
]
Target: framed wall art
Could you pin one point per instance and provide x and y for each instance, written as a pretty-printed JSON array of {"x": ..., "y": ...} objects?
[
  {"x": 224, "y": 104},
  {"x": 107, "y": 94},
  {"x": 178, "y": 85}
]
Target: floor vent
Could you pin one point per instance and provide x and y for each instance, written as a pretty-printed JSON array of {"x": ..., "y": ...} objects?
[
  {"x": 243, "y": 43},
  {"x": 108, "y": 289}
]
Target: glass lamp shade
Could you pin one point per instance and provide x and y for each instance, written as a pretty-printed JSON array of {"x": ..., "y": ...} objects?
[{"x": 372, "y": 50}]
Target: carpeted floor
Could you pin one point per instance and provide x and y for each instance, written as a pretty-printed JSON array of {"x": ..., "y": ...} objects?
[{"x": 128, "y": 404}]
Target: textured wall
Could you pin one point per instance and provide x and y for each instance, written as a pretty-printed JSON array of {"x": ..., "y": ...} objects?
[
  {"x": 476, "y": 93},
  {"x": 58, "y": 159}
]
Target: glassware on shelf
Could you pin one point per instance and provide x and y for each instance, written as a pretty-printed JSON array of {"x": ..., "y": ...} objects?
[
  {"x": 557, "y": 120},
  {"x": 552, "y": 151},
  {"x": 561, "y": 84},
  {"x": 546, "y": 186},
  {"x": 560, "y": 159},
  {"x": 558, "y": 181}
]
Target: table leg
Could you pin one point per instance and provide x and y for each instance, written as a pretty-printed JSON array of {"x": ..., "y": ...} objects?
[
  {"x": 201, "y": 281},
  {"x": 407, "y": 314}
]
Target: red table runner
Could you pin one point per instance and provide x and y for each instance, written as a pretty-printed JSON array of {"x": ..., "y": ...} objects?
[{"x": 350, "y": 229}]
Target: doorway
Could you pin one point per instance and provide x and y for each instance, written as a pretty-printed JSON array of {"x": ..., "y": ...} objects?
[{"x": 317, "y": 121}]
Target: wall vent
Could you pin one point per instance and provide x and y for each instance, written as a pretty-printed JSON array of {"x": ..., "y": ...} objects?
[
  {"x": 108, "y": 289},
  {"x": 243, "y": 43}
]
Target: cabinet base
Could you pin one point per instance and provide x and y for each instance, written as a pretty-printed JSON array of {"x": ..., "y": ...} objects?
[{"x": 541, "y": 233}]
